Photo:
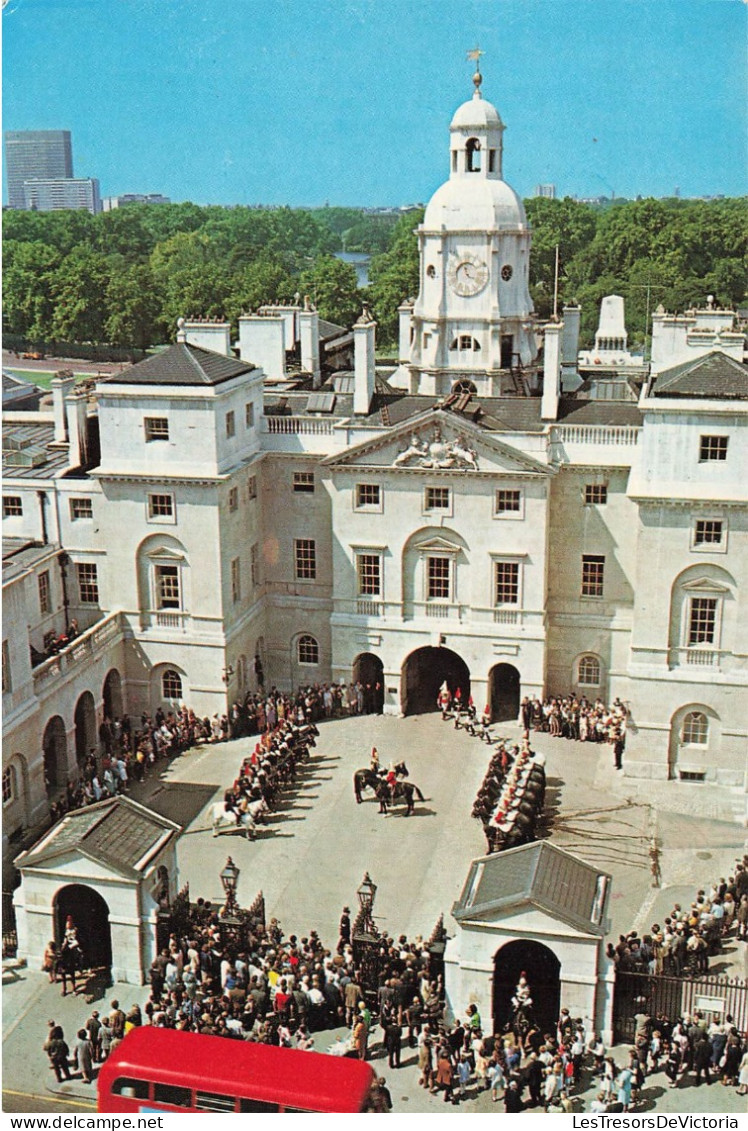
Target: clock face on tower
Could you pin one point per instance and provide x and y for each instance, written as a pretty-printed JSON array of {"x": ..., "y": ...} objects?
[{"x": 467, "y": 274}]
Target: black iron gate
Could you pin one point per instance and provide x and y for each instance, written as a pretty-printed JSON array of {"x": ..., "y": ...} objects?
[
  {"x": 662, "y": 995},
  {"x": 10, "y": 935}
]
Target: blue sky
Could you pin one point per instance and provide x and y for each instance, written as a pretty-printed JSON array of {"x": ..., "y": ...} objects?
[{"x": 349, "y": 101}]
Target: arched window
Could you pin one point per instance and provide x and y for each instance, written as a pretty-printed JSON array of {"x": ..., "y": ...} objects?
[
  {"x": 9, "y": 784},
  {"x": 464, "y": 386},
  {"x": 308, "y": 650},
  {"x": 589, "y": 671},
  {"x": 696, "y": 729},
  {"x": 171, "y": 684},
  {"x": 472, "y": 155},
  {"x": 465, "y": 342}
]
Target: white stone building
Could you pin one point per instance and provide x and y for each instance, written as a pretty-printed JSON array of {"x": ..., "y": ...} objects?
[{"x": 465, "y": 517}]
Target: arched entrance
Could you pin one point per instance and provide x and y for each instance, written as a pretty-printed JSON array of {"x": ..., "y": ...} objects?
[
  {"x": 112, "y": 695},
  {"x": 423, "y": 673},
  {"x": 90, "y": 914},
  {"x": 543, "y": 973},
  {"x": 368, "y": 670},
  {"x": 503, "y": 692},
  {"x": 55, "y": 747},
  {"x": 85, "y": 726}
]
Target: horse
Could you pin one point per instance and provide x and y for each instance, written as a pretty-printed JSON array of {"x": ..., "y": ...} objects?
[
  {"x": 226, "y": 822},
  {"x": 257, "y": 810},
  {"x": 404, "y": 791},
  {"x": 369, "y": 779}
]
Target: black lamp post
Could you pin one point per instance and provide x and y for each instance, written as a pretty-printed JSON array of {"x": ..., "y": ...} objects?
[
  {"x": 366, "y": 942},
  {"x": 366, "y": 893},
  {"x": 229, "y": 880}
]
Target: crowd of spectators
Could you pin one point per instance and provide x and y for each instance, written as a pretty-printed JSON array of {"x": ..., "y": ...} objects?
[
  {"x": 575, "y": 717},
  {"x": 260, "y": 711}
]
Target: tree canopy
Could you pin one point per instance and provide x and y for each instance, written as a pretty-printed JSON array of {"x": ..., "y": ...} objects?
[{"x": 124, "y": 277}]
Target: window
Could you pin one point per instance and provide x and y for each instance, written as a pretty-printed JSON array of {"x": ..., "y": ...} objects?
[
  {"x": 303, "y": 481},
  {"x": 436, "y": 499},
  {"x": 9, "y": 784},
  {"x": 589, "y": 672},
  {"x": 131, "y": 1088},
  {"x": 233, "y": 498},
  {"x": 247, "y": 1106},
  {"x": 172, "y": 1094},
  {"x": 171, "y": 684},
  {"x": 7, "y": 680},
  {"x": 12, "y": 506},
  {"x": 156, "y": 428},
  {"x": 81, "y": 508},
  {"x": 308, "y": 650},
  {"x": 249, "y": 414},
  {"x": 167, "y": 587},
  {"x": 593, "y": 570},
  {"x": 507, "y": 583},
  {"x": 438, "y": 575},
  {"x": 696, "y": 729},
  {"x": 88, "y": 582},
  {"x": 707, "y": 532},
  {"x": 252, "y": 487},
  {"x": 305, "y": 556},
  {"x": 160, "y": 506},
  {"x": 465, "y": 342},
  {"x": 702, "y": 620},
  {"x": 712, "y": 447},
  {"x": 369, "y": 570},
  {"x": 595, "y": 494},
  {"x": 368, "y": 495},
  {"x": 45, "y": 604},
  {"x": 236, "y": 580},
  {"x": 508, "y": 502},
  {"x": 214, "y": 1101},
  {"x": 230, "y": 425},
  {"x": 254, "y": 565}
]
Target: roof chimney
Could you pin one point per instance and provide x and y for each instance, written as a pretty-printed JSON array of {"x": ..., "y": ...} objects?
[
  {"x": 62, "y": 386},
  {"x": 363, "y": 362},
  {"x": 551, "y": 370},
  {"x": 309, "y": 342}
]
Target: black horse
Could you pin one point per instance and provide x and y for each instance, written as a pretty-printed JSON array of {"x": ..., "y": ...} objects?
[
  {"x": 371, "y": 779},
  {"x": 404, "y": 791}
]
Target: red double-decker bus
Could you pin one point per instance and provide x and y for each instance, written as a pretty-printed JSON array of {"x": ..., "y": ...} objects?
[{"x": 167, "y": 1070}]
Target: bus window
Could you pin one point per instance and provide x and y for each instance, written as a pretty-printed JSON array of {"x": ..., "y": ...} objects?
[
  {"x": 214, "y": 1101},
  {"x": 132, "y": 1089},
  {"x": 169, "y": 1094},
  {"x": 247, "y": 1105}
]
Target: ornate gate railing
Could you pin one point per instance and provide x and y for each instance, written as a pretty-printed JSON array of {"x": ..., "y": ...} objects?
[{"x": 652, "y": 994}]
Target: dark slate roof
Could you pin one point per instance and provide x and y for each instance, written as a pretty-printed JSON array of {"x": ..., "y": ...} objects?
[
  {"x": 612, "y": 413},
  {"x": 21, "y": 554},
  {"x": 19, "y": 393},
  {"x": 183, "y": 364},
  {"x": 715, "y": 375},
  {"x": 34, "y": 437},
  {"x": 329, "y": 330},
  {"x": 539, "y": 874},
  {"x": 117, "y": 833}
]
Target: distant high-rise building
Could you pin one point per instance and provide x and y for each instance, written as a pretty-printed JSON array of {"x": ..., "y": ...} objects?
[
  {"x": 35, "y": 154},
  {"x": 111, "y": 202},
  {"x": 546, "y": 190},
  {"x": 56, "y": 193}
]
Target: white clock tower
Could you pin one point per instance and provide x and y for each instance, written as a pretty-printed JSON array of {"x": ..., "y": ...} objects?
[{"x": 472, "y": 325}]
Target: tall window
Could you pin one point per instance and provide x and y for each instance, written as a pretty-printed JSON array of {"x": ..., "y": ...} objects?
[
  {"x": 88, "y": 582},
  {"x": 167, "y": 587},
  {"x": 7, "y": 678},
  {"x": 507, "y": 583},
  {"x": 171, "y": 684},
  {"x": 438, "y": 576},
  {"x": 12, "y": 506},
  {"x": 369, "y": 569},
  {"x": 696, "y": 729},
  {"x": 589, "y": 671},
  {"x": 702, "y": 620},
  {"x": 44, "y": 598},
  {"x": 156, "y": 428},
  {"x": 160, "y": 506},
  {"x": 303, "y": 481},
  {"x": 254, "y": 565},
  {"x": 593, "y": 572},
  {"x": 712, "y": 448},
  {"x": 305, "y": 556},
  {"x": 308, "y": 650},
  {"x": 81, "y": 508},
  {"x": 230, "y": 425},
  {"x": 9, "y": 784},
  {"x": 233, "y": 499},
  {"x": 252, "y": 487},
  {"x": 249, "y": 414},
  {"x": 236, "y": 580}
]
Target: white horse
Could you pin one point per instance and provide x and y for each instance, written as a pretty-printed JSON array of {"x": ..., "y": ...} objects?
[
  {"x": 224, "y": 822},
  {"x": 257, "y": 809}
]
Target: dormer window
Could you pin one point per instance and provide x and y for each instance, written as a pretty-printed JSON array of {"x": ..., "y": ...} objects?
[{"x": 472, "y": 155}]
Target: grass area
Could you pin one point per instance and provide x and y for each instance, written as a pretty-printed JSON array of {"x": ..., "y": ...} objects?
[{"x": 34, "y": 377}]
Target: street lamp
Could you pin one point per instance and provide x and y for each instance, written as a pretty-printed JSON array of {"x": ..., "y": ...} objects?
[
  {"x": 229, "y": 880},
  {"x": 366, "y": 942},
  {"x": 366, "y": 892}
]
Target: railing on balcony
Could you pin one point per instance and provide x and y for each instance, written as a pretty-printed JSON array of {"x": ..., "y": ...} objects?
[
  {"x": 297, "y": 426},
  {"x": 168, "y": 618},
  {"x": 608, "y": 434},
  {"x": 695, "y": 658},
  {"x": 369, "y": 607},
  {"x": 89, "y": 643},
  {"x": 506, "y": 616}
]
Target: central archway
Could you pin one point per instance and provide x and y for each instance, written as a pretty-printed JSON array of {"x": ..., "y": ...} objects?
[
  {"x": 90, "y": 913},
  {"x": 543, "y": 973},
  {"x": 423, "y": 673},
  {"x": 368, "y": 670},
  {"x": 503, "y": 692}
]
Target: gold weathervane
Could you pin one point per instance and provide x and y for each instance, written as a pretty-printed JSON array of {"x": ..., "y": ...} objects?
[{"x": 475, "y": 56}]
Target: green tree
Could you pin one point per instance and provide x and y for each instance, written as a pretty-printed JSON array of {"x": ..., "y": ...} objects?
[
  {"x": 28, "y": 274},
  {"x": 79, "y": 290},
  {"x": 395, "y": 276},
  {"x": 132, "y": 307},
  {"x": 333, "y": 288}
]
